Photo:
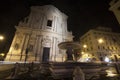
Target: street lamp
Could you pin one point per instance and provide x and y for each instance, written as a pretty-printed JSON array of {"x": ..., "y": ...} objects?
[
  {"x": 84, "y": 53},
  {"x": 84, "y": 46},
  {"x": 1, "y": 37},
  {"x": 2, "y": 56},
  {"x": 107, "y": 59},
  {"x": 100, "y": 40}
]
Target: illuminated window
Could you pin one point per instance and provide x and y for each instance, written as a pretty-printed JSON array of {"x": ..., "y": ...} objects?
[{"x": 49, "y": 23}]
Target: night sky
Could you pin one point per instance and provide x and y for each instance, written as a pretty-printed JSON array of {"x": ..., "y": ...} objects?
[{"x": 82, "y": 16}]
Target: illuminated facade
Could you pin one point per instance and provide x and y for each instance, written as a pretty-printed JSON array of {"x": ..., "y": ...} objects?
[
  {"x": 39, "y": 34},
  {"x": 100, "y": 44},
  {"x": 115, "y": 8}
]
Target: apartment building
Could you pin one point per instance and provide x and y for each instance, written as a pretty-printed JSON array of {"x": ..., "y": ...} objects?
[{"x": 100, "y": 44}]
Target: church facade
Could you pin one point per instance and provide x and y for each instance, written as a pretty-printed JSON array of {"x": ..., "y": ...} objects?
[{"x": 39, "y": 34}]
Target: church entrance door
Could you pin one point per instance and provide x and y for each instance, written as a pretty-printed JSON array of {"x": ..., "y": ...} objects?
[{"x": 46, "y": 52}]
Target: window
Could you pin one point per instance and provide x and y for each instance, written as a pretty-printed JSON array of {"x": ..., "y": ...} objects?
[
  {"x": 91, "y": 48},
  {"x": 103, "y": 47},
  {"x": 89, "y": 38},
  {"x": 108, "y": 48},
  {"x": 98, "y": 47},
  {"x": 94, "y": 32},
  {"x": 49, "y": 23}
]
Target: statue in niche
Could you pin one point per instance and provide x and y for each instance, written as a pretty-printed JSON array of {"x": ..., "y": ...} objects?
[{"x": 16, "y": 47}]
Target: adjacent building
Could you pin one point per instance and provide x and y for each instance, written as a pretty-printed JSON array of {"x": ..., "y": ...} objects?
[
  {"x": 100, "y": 44},
  {"x": 115, "y": 8},
  {"x": 38, "y": 35}
]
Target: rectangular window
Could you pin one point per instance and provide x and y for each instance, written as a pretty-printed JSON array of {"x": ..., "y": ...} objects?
[
  {"x": 91, "y": 48},
  {"x": 98, "y": 47},
  {"x": 49, "y": 23}
]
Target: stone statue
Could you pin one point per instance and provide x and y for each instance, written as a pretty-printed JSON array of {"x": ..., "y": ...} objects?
[
  {"x": 69, "y": 53},
  {"x": 78, "y": 74}
]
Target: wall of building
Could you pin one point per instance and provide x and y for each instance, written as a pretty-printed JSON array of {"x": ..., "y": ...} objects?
[
  {"x": 108, "y": 48},
  {"x": 40, "y": 33}
]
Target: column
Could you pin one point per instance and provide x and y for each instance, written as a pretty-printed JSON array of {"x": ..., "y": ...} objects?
[
  {"x": 55, "y": 46},
  {"x": 26, "y": 48},
  {"x": 23, "y": 45},
  {"x": 20, "y": 48},
  {"x": 36, "y": 48},
  {"x": 53, "y": 49},
  {"x": 54, "y": 23},
  {"x": 42, "y": 21},
  {"x": 40, "y": 50}
]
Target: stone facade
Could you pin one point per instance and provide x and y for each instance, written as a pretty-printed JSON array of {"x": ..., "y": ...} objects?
[
  {"x": 115, "y": 8},
  {"x": 39, "y": 34}
]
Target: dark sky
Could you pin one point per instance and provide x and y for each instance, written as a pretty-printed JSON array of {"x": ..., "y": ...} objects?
[{"x": 82, "y": 15}]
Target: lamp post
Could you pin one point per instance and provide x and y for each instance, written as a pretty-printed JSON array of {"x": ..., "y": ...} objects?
[
  {"x": 84, "y": 46},
  {"x": 84, "y": 49},
  {"x": 100, "y": 41},
  {"x": 1, "y": 37},
  {"x": 2, "y": 54}
]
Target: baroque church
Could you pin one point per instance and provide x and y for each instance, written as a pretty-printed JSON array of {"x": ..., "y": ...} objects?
[{"x": 38, "y": 36}]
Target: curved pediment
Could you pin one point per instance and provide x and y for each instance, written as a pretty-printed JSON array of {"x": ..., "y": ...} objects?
[{"x": 48, "y": 9}]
